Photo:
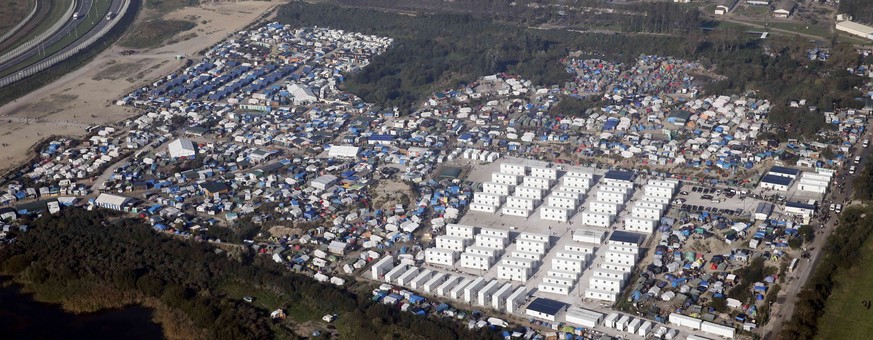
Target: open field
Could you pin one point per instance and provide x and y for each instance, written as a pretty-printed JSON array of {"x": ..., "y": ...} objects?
[
  {"x": 12, "y": 12},
  {"x": 153, "y": 33},
  {"x": 85, "y": 96},
  {"x": 845, "y": 317}
]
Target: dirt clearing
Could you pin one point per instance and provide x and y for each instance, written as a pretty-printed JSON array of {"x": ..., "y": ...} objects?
[{"x": 86, "y": 96}]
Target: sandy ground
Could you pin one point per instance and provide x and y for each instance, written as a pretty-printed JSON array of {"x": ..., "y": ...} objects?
[{"x": 86, "y": 96}]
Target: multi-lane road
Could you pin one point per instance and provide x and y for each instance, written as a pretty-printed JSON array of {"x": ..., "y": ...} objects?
[{"x": 86, "y": 11}]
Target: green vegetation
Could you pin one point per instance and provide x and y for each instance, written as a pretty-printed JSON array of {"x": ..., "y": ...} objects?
[
  {"x": 12, "y": 12},
  {"x": 94, "y": 260},
  {"x": 860, "y": 10},
  {"x": 754, "y": 272},
  {"x": 154, "y": 33},
  {"x": 863, "y": 183},
  {"x": 164, "y": 6},
  {"x": 437, "y": 51},
  {"x": 841, "y": 270},
  {"x": 844, "y": 315},
  {"x": 443, "y": 50}
]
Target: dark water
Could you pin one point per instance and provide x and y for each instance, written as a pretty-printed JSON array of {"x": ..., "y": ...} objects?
[{"x": 23, "y": 318}]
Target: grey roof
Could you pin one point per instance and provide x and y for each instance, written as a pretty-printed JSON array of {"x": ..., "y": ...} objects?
[
  {"x": 784, "y": 170},
  {"x": 799, "y": 205},
  {"x": 546, "y": 306},
  {"x": 620, "y": 175},
  {"x": 627, "y": 237},
  {"x": 778, "y": 180}
]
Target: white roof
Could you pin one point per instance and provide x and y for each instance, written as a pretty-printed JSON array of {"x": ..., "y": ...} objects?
[
  {"x": 343, "y": 151},
  {"x": 111, "y": 199},
  {"x": 855, "y": 26},
  {"x": 181, "y": 148}
]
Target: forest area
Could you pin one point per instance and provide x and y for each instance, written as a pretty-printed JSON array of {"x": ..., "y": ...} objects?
[
  {"x": 89, "y": 261},
  {"x": 860, "y": 10},
  {"x": 439, "y": 51}
]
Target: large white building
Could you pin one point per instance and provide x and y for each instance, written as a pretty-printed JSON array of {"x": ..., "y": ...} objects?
[
  {"x": 343, "y": 151},
  {"x": 114, "y": 202},
  {"x": 182, "y": 148},
  {"x": 855, "y": 28}
]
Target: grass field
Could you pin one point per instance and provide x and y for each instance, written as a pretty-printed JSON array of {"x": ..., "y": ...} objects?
[
  {"x": 154, "y": 33},
  {"x": 12, "y": 12},
  {"x": 845, "y": 317}
]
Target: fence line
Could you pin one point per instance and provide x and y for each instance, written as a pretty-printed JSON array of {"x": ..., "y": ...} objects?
[
  {"x": 22, "y": 23},
  {"x": 29, "y": 71},
  {"x": 40, "y": 38}
]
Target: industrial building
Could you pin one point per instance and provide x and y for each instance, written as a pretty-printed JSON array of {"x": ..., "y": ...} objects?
[
  {"x": 182, "y": 148},
  {"x": 113, "y": 202},
  {"x": 855, "y": 28},
  {"x": 545, "y": 309}
]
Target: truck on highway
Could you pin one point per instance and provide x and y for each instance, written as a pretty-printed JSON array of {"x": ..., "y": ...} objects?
[{"x": 109, "y": 15}]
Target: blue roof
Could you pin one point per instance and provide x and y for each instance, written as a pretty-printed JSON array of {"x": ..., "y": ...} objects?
[
  {"x": 381, "y": 137},
  {"x": 784, "y": 170},
  {"x": 546, "y": 306},
  {"x": 778, "y": 180},
  {"x": 619, "y": 175}
]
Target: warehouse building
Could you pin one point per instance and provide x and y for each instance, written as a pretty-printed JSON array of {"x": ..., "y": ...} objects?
[
  {"x": 855, "y": 28},
  {"x": 113, "y": 202},
  {"x": 182, "y": 148},
  {"x": 589, "y": 236},
  {"x": 343, "y": 151},
  {"x": 782, "y": 171},
  {"x": 545, "y": 309},
  {"x": 776, "y": 183}
]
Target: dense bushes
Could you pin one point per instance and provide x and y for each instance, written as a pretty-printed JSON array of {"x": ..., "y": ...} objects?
[
  {"x": 438, "y": 51},
  {"x": 80, "y": 249},
  {"x": 442, "y": 50},
  {"x": 839, "y": 254}
]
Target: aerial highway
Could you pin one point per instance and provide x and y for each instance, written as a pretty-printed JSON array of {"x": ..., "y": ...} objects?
[{"x": 86, "y": 15}]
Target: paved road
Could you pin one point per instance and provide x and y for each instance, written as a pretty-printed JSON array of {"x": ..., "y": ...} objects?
[
  {"x": 84, "y": 7},
  {"x": 782, "y": 312}
]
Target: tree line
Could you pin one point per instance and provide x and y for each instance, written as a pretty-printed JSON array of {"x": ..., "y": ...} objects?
[
  {"x": 839, "y": 255},
  {"x": 84, "y": 249},
  {"x": 439, "y": 50}
]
